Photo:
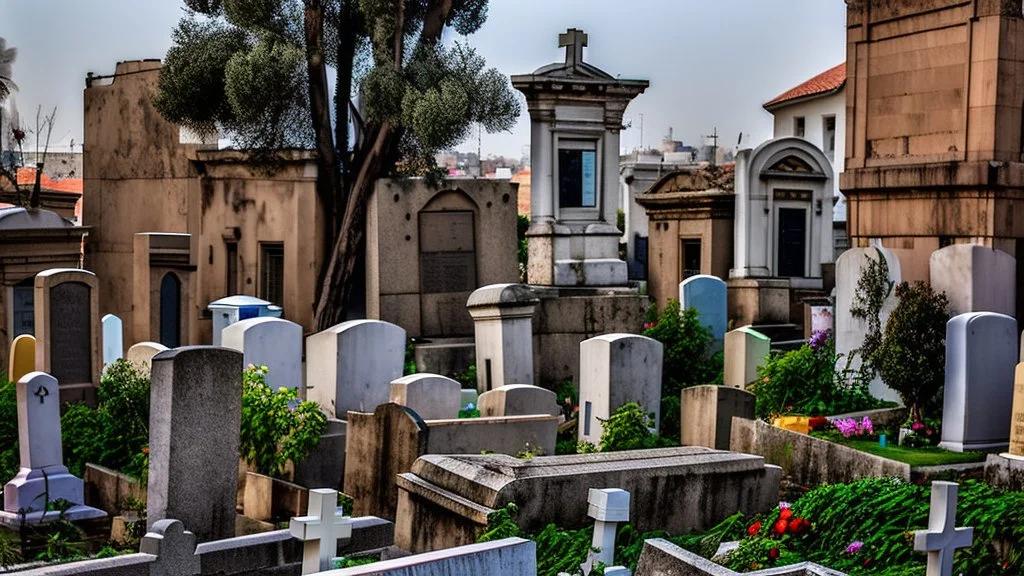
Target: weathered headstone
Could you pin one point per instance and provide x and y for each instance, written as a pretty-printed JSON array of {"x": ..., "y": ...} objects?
[
  {"x": 850, "y": 331},
  {"x": 708, "y": 295},
  {"x": 508, "y": 557},
  {"x": 272, "y": 342},
  {"x": 975, "y": 279},
  {"x": 616, "y": 369},
  {"x": 706, "y": 414},
  {"x": 320, "y": 530},
  {"x": 113, "y": 339},
  {"x": 350, "y": 366},
  {"x": 174, "y": 548},
  {"x": 433, "y": 397},
  {"x": 517, "y": 400},
  {"x": 67, "y": 330},
  {"x": 942, "y": 537},
  {"x": 609, "y": 507},
  {"x": 503, "y": 324},
  {"x": 1017, "y": 415},
  {"x": 43, "y": 478},
  {"x": 141, "y": 354},
  {"x": 196, "y": 395},
  {"x": 746, "y": 350},
  {"x": 23, "y": 357},
  {"x": 981, "y": 353}
]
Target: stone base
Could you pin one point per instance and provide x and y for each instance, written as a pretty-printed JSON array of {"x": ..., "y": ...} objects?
[
  {"x": 954, "y": 446},
  {"x": 25, "y": 492},
  {"x": 596, "y": 272},
  {"x": 73, "y": 514},
  {"x": 1005, "y": 471},
  {"x": 754, "y": 301}
]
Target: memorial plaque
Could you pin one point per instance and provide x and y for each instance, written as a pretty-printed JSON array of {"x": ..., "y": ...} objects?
[
  {"x": 70, "y": 337},
  {"x": 1017, "y": 416},
  {"x": 447, "y": 252}
]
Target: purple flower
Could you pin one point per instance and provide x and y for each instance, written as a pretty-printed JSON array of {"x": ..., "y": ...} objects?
[
  {"x": 818, "y": 339},
  {"x": 854, "y": 547},
  {"x": 846, "y": 426},
  {"x": 866, "y": 427}
]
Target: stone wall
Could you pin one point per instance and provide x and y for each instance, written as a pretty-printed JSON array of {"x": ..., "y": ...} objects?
[
  {"x": 662, "y": 558},
  {"x": 810, "y": 461}
]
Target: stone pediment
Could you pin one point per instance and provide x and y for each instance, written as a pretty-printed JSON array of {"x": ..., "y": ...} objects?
[{"x": 792, "y": 164}]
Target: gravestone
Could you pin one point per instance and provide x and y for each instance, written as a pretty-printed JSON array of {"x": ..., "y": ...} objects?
[
  {"x": 23, "y": 357},
  {"x": 1017, "y": 415},
  {"x": 850, "y": 331},
  {"x": 174, "y": 548},
  {"x": 320, "y": 529},
  {"x": 975, "y": 279},
  {"x": 981, "y": 353},
  {"x": 468, "y": 396},
  {"x": 503, "y": 324},
  {"x": 431, "y": 396},
  {"x": 746, "y": 350},
  {"x": 616, "y": 369},
  {"x": 609, "y": 507},
  {"x": 113, "y": 339},
  {"x": 141, "y": 354},
  {"x": 517, "y": 400},
  {"x": 42, "y": 478},
  {"x": 196, "y": 395},
  {"x": 350, "y": 366},
  {"x": 706, "y": 414},
  {"x": 271, "y": 342},
  {"x": 942, "y": 537},
  {"x": 708, "y": 295},
  {"x": 67, "y": 330}
]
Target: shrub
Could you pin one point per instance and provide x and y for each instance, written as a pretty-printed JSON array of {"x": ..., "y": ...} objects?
[
  {"x": 911, "y": 358},
  {"x": 277, "y": 426},
  {"x": 9, "y": 456},
  {"x": 873, "y": 287},
  {"x": 629, "y": 428},
  {"x": 522, "y": 246}
]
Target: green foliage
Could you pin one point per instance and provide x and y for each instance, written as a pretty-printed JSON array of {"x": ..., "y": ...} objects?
[
  {"x": 806, "y": 382},
  {"x": 523, "y": 247},
  {"x": 9, "y": 456},
  {"x": 687, "y": 360},
  {"x": 467, "y": 378},
  {"x": 409, "y": 367},
  {"x": 630, "y": 428},
  {"x": 873, "y": 288},
  {"x": 10, "y": 553},
  {"x": 277, "y": 426},
  {"x": 116, "y": 433},
  {"x": 346, "y": 562},
  {"x": 469, "y": 413},
  {"x": 64, "y": 541},
  {"x": 915, "y": 456},
  {"x": 911, "y": 357},
  {"x": 620, "y": 220}
]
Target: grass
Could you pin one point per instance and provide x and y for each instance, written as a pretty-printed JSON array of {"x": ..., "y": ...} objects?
[{"x": 926, "y": 456}]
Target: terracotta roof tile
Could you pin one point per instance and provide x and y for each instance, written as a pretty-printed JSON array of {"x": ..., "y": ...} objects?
[
  {"x": 826, "y": 82},
  {"x": 27, "y": 177}
]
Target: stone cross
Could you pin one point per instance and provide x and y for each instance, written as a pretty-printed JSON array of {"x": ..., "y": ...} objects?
[
  {"x": 608, "y": 507},
  {"x": 942, "y": 537},
  {"x": 320, "y": 530},
  {"x": 573, "y": 41}
]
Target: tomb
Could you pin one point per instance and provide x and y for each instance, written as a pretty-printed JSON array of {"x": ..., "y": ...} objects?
[
  {"x": 616, "y": 369},
  {"x": 113, "y": 339}
]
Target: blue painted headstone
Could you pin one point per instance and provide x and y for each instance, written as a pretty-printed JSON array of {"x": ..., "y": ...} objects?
[{"x": 707, "y": 295}]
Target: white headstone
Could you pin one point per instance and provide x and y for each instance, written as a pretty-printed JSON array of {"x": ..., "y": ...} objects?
[
  {"x": 503, "y": 326},
  {"x": 942, "y": 537},
  {"x": 141, "y": 354},
  {"x": 746, "y": 350},
  {"x": 320, "y": 530},
  {"x": 975, "y": 279},
  {"x": 850, "y": 331},
  {"x": 43, "y": 478},
  {"x": 517, "y": 400},
  {"x": 272, "y": 342},
  {"x": 113, "y": 339},
  {"x": 981, "y": 355},
  {"x": 350, "y": 366},
  {"x": 708, "y": 295},
  {"x": 608, "y": 507},
  {"x": 433, "y": 397},
  {"x": 616, "y": 369}
]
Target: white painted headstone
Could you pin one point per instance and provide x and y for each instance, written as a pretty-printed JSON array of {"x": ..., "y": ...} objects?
[
  {"x": 942, "y": 537},
  {"x": 517, "y": 400},
  {"x": 616, "y": 369},
  {"x": 708, "y": 295},
  {"x": 141, "y": 354},
  {"x": 350, "y": 366},
  {"x": 113, "y": 339},
  {"x": 746, "y": 350},
  {"x": 981, "y": 355},
  {"x": 433, "y": 397},
  {"x": 320, "y": 530},
  {"x": 608, "y": 507},
  {"x": 272, "y": 342}
]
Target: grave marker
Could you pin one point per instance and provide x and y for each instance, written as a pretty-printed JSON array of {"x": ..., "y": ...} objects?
[
  {"x": 141, "y": 354},
  {"x": 975, "y": 279},
  {"x": 196, "y": 395},
  {"x": 1017, "y": 416},
  {"x": 608, "y": 507},
  {"x": 113, "y": 339},
  {"x": 503, "y": 325},
  {"x": 67, "y": 330},
  {"x": 616, "y": 369},
  {"x": 517, "y": 400},
  {"x": 320, "y": 530},
  {"x": 746, "y": 350},
  {"x": 23, "y": 357},
  {"x": 174, "y": 548},
  {"x": 706, "y": 414},
  {"x": 271, "y": 342},
  {"x": 942, "y": 537},
  {"x": 433, "y": 397},
  {"x": 708, "y": 295}
]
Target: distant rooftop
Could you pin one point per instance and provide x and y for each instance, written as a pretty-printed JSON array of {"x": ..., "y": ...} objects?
[{"x": 828, "y": 82}]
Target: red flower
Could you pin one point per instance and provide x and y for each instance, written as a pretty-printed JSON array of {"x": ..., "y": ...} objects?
[
  {"x": 818, "y": 422},
  {"x": 773, "y": 554},
  {"x": 785, "y": 514},
  {"x": 19, "y": 135},
  {"x": 799, "y": 525},
  {"x": 754, "y": 528},
  {"x": 780, "y": 527}
]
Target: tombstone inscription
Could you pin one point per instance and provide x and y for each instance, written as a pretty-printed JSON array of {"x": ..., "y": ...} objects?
[{"x": 447, "y": 252}]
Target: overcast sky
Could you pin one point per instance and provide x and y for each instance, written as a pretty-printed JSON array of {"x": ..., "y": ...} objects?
[{"x": 711, "y": 63}]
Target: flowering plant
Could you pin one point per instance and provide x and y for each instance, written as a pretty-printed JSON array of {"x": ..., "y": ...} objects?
[
  {"x": 851, "y": 427},
  {"x": 922, "y": 433},
  {"x": 770, "y": 540}
]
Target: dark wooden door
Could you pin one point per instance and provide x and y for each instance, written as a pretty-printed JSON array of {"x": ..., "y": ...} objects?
[
  {"x": 170, "y": 311},
  {"x": 792, "y": 242}
]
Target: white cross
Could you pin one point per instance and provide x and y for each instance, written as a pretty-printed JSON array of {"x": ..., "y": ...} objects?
[
  {"x": 320, "y": 536},
  {"x": 942, "y": 537}
]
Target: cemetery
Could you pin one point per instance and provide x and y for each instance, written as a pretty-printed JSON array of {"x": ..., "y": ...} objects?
[{"x": 239, "y": 382}]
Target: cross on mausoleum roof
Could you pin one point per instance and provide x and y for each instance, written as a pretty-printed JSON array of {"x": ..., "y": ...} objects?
[{"x": 573, "y": 41}]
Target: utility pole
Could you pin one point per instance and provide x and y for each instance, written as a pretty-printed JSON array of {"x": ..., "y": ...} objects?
[{"x": 714, "y": 146}]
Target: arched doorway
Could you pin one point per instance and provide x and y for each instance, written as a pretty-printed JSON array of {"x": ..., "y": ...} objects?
[{"x": 170, "y": 311}]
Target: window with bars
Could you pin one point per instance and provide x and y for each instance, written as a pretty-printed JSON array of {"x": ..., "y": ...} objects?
[{"x": 272, "y": 273}]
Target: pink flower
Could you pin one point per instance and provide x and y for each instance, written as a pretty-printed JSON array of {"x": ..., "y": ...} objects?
[
  {"x": 916, "y": 426},
  {"x": 854, "y": 547}
]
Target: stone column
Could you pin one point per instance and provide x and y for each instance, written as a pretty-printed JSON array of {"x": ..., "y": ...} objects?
[{"x": 503, "y": 323}]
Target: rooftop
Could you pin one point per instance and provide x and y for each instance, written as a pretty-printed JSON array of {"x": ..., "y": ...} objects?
[{"x": 828, "y": 82}]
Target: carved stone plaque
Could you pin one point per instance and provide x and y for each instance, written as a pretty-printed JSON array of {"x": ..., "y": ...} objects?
[
  {"x": 447, "y": 252},
  {"x": 70, "y": 345}
]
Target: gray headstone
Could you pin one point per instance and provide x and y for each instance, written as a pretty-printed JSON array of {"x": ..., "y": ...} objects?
[
  {"x": 196, "y": 400},
  {"x": 350, "y": 366},
  {"x": 616, "y": 369},
  {"x": 706, "y": 414},
  {"x": 271, "y": 342},
  {"x": 708, "y": 295},
  {"x": 174, "y": 547},
  {"x": 70, "y": 333},
  {"x": 433, "y": 397},
  {"x": 981, "y": 355},
  {"x": 517, "y": 400},
  {"x": 113, "y": 339}
]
